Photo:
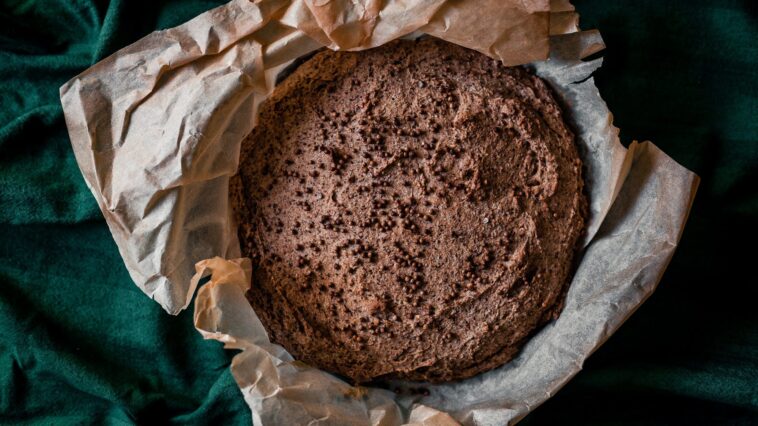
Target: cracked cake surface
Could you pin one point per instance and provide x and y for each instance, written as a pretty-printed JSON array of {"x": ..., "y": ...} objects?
[{"x": 412, "y": 211}]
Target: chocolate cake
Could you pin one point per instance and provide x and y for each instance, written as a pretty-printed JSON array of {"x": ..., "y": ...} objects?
[{"x": 412, "y": 211}]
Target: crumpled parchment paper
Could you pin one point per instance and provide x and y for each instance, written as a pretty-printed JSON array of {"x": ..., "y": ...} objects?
[
  {"x": 156, "y": 127},
  {"x": 156, "y": 130}
]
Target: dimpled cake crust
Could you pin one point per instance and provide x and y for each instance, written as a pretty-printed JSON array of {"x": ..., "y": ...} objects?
[{"x": 412, "y": 211}]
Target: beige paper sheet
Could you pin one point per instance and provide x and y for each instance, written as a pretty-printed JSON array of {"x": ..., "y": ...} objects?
[
  {"x": 156, "y": 130},
  {"x": 156, "y": 127}
]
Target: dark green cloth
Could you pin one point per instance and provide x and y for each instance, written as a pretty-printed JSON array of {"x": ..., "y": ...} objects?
[{"x": 79, "y": 343}]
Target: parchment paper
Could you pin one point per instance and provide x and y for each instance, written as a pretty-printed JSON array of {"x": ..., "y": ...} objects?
[{"x": 156, "y": 130}]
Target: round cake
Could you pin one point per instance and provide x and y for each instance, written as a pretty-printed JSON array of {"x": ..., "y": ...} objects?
[{"x": 412, "y": 211}]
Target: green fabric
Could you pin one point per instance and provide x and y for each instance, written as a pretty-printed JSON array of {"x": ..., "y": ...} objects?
[{"x": 79, "y": 343}]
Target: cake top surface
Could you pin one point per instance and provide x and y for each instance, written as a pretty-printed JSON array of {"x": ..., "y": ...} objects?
[{"x": 412, "y": 211}]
